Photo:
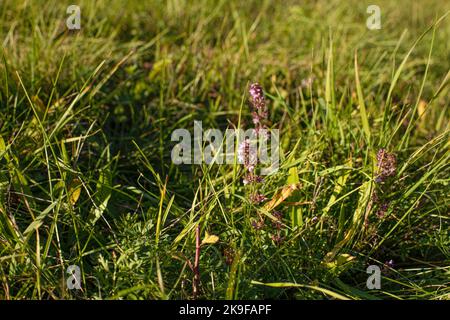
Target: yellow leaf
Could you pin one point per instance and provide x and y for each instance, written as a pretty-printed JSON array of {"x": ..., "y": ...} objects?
[
  {"x": 421, "y": 108},
  {"x": 281, "y": 196},
  {"x": 2, "y": 148},
  {"x": 344, "y": 259},
  {"x": 210, "y": 239},
  {"x": 158, "y": 67},
  {"x": 339, "y": 264},
  {"x": 2, "y": 145},
  {"x": 74, "y": 191}
]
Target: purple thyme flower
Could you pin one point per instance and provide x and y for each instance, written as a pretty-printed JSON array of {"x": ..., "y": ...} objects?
[
  {"x": 229, "y": 255},
  {"x": 259, "y": 104},
  {"x": 387, "y": 165},
  {"x": 257, "y": 95},
  {"x": 257, "y": 198},
  {"x": 277, "y": 224},
  {"x": 306, "y": 83},
  {"x": 258, "y": 224},
  {"x": 247, "y": 155},
  {"x": 277, "y": 239},
  {"x": 388, "y": 266},
  {"x": 390, "y": 263},
  {"x": 252, "y": 178},
  {"x": 383, "y": 208}
]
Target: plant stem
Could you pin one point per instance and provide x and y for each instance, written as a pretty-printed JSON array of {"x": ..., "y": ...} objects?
[{"x": 196, "y": 282}]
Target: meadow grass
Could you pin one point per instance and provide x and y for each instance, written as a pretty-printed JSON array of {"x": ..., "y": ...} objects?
[{"x": 86, "y": 176}]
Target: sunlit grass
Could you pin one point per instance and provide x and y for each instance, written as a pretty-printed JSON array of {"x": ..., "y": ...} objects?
[{"x": 86, "y": 176}]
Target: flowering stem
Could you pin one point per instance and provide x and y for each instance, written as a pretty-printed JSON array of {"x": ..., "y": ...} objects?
[{"x": 196, "y": 282}]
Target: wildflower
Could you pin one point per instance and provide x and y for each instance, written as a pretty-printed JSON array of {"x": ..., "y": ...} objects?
[
  {"x": 259, "y": 112},
  {"x": 390, "y": 263},
  {"x": 248, "y": 151},
  {"x": 306, "y": 83},
  {"x": 258, "y": 224},
  {"x": 277, "y": 224},
  {"x": 263, "y": 133},
  {"x": 277, "y": 239},
  {"x": 257, "y": 198},
  {"x": 257, "y": 95},
  {"x": 247, "y": 155},
  {"x": 383, "y": 208},
  {"x": 255, "y": 118},
  {"x": 388, "y": 266},
  {"x": 277, "y": 214},
  {"x": 229, "y": 255},
  {"x": 252, "y": 178},
  {"x": 387, "y": 165}
]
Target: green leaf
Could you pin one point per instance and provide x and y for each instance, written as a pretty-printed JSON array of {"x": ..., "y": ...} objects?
[
  {"x": 362, "y": 106},
  {"x": 102, "y": 195},
  {"x": 305, "y": 286},
  {"x": 74, "y": 191},
  {"x": 39, "y": 219}
]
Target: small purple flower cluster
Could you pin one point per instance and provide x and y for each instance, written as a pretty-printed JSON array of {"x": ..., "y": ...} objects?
[
  {"x": 382, "y": 209},
  {"x": 248, "y": 153},
  {"x": 229, "y": 254},
  {"x": 278, "y": 239},
  {"x": 387, "y": 165},
  {"x": 259, "y": 106},
  {"x": 258, "y": 224},
  {"x": 382, "y": 205},
  {"x": 247, "y": 156},
  {"x": 388, "y": 267},
  {"x": 278, "y": 226},
  {"x": 257, "y": 198},
  {"x": 390, "y": 263}
]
